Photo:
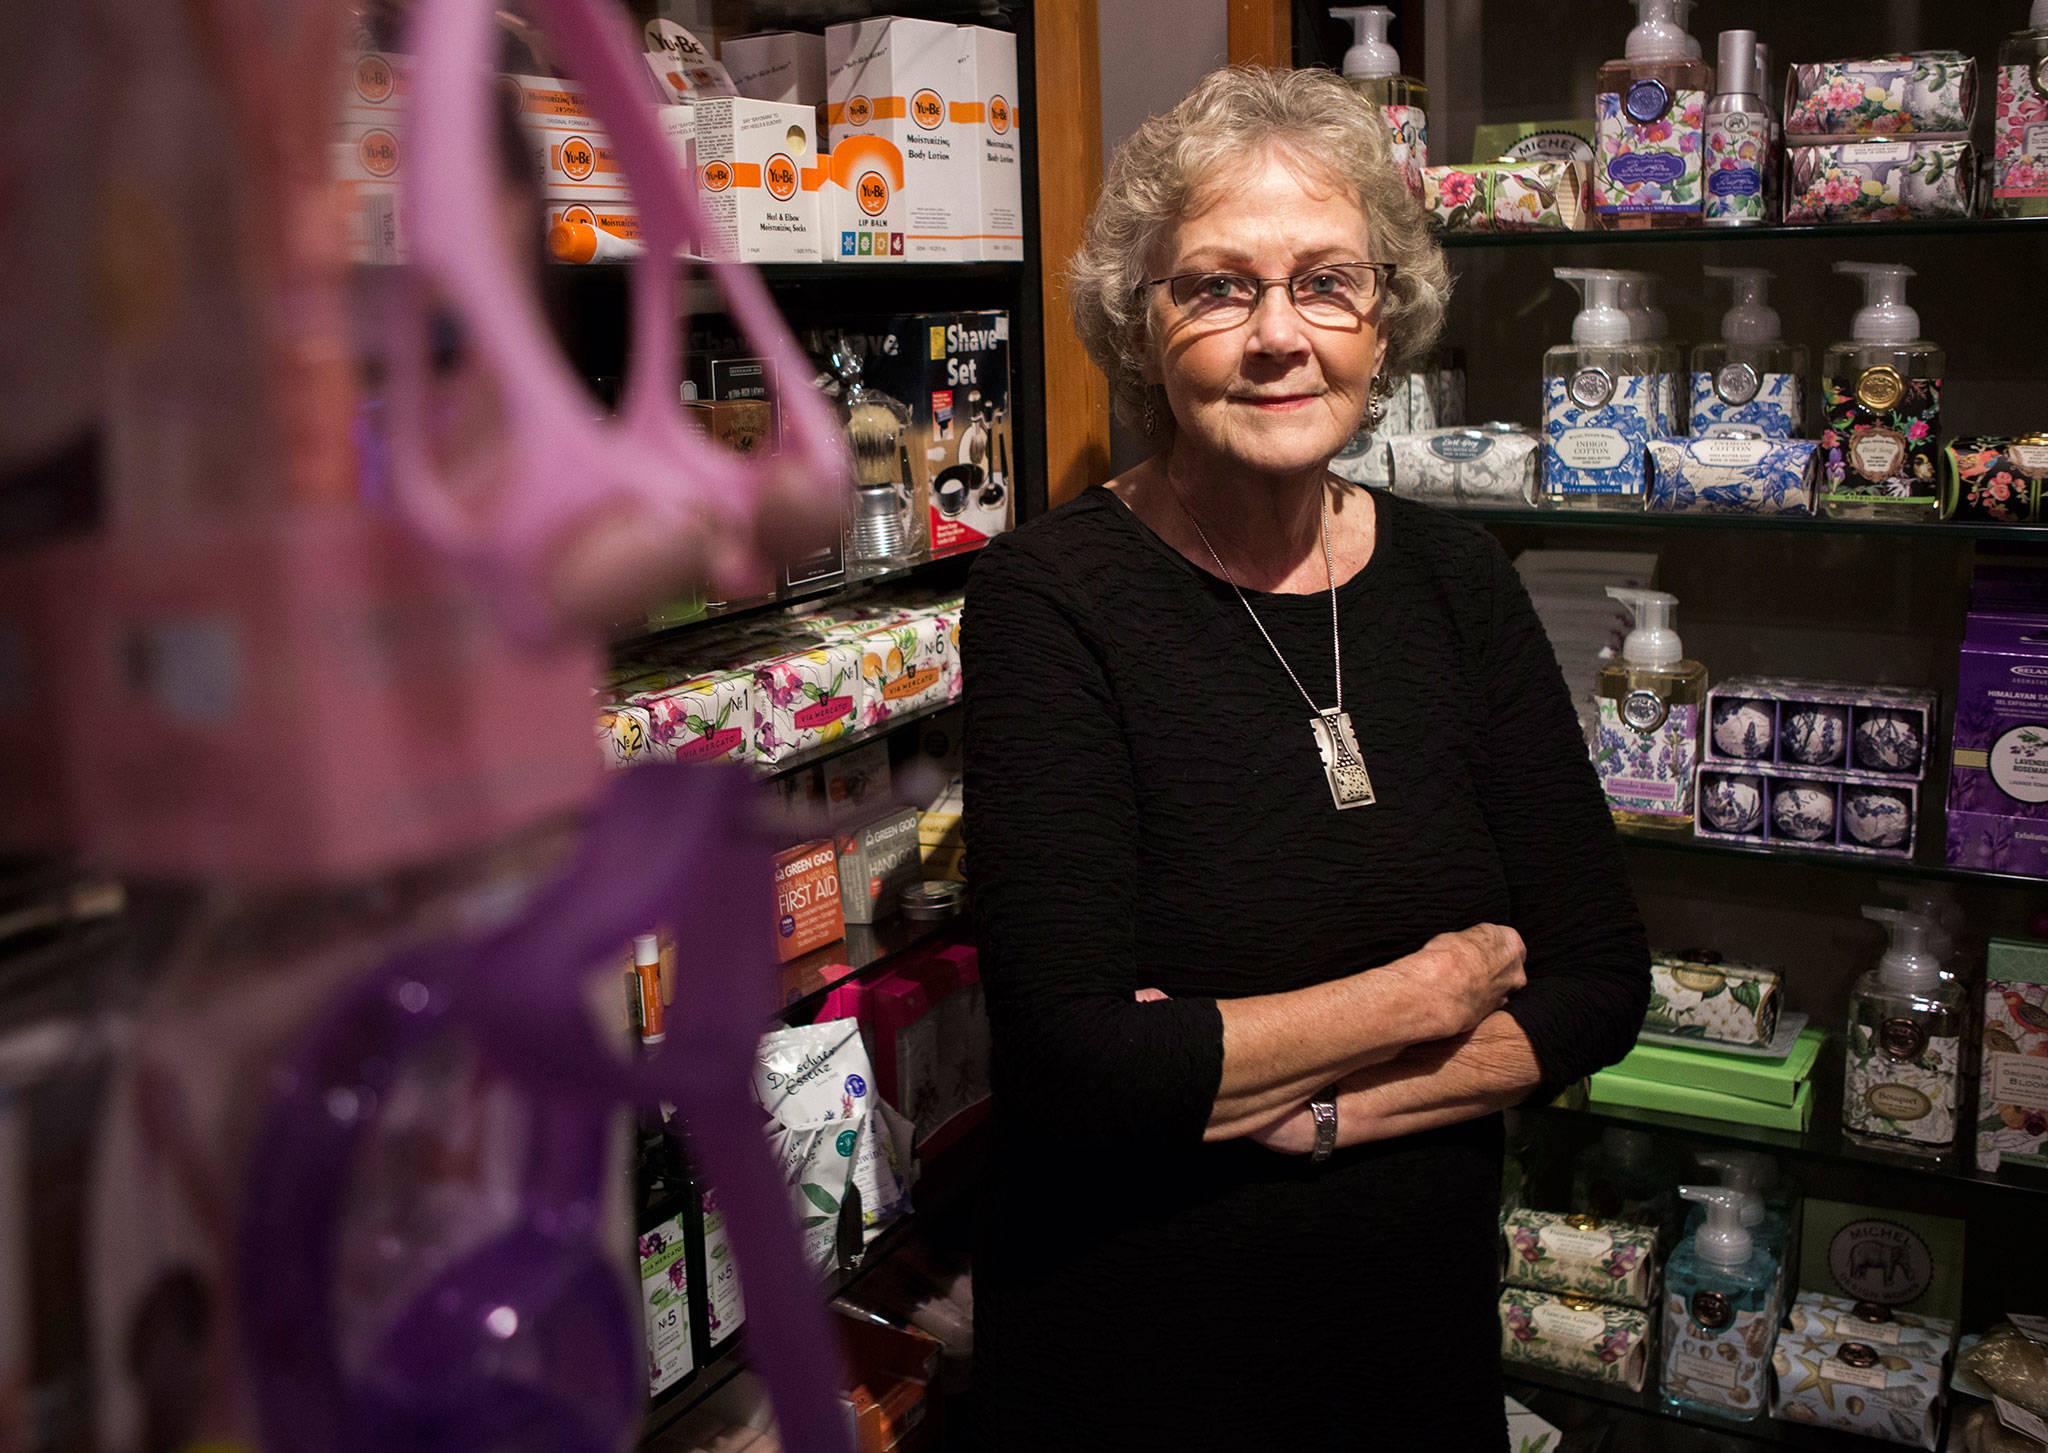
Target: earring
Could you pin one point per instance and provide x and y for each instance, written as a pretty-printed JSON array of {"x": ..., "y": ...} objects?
[
  {"x": 1150, "y": 423},
  {"x": 1382, "y": 390}
]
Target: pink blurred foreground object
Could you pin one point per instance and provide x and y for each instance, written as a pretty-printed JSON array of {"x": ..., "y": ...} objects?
[{"x": 568, "y": 514}]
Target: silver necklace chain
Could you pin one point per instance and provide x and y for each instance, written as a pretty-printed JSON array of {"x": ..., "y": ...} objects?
[{"x": 1329, "y": 565}]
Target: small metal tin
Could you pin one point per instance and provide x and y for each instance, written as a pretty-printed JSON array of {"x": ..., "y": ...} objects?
[{"x": 932, "y": 901}]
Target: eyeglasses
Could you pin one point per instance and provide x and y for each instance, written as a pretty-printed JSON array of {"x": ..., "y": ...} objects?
[{"x": 1331, "y": 294}]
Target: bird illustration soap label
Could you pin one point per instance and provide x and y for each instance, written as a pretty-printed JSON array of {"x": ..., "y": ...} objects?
[
  {"x": 1596, "y": 427},
  {"x": 1881, "y": 436}
]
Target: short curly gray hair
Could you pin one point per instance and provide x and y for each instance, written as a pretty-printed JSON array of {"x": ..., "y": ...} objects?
[{"x": 1232, "y": 114}]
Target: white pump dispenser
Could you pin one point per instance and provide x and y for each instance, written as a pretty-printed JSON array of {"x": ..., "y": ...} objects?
[
  {"x": 1601, "y": 320},
  {"x": 1741, "y": 1171},
  {"x": 1660, "y": 33},
  {"x": 1599, "y": 402},
  {"x": 1724, "y": 1238},
  {"x": 1370, "y": 55},
  {"x": 1653, "y": 641},
  {"x": 1883, "y": 386},
  {"x": 1902, "y": 1085},
  {"x": 1752, "y": 319}
]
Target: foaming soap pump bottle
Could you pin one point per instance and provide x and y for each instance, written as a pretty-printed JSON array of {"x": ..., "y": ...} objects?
[
  {"x": 2019, "y": 148},
  {"x": 1719, "y": 1312},
  {"x": 1373, "y": 69},
  {"x": 1738, "y": 139},
  {"x": 1599, "y": 402},
  {"x": 1752, "y": 376},
  {"x": 1905, "y": 1050},
  {"x": 1882, "y": 388},
  {"x": 1649, "y": 729},
  {"x": 1649, "y": 121}
]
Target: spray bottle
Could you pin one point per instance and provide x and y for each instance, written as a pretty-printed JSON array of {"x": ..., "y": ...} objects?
[
  {"x": 1373, "y": 69},
  {"x": 1905, "y": 1050},
  {"x": 1738, "y": 139},
  {"x": 1649, "y": 118},
  {"x": 1649, "y": 729},
  {"x": 2019, "y": 148},
  {"x": 1882, "y": 389},
  {"x": 1599, "y": 402},
  {"x": 1719, "y": 1311},
  {"x": 1752, "y": 375}
]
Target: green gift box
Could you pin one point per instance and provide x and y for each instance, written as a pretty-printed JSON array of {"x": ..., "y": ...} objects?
[
  {"x": 1610, "y": 1087},
  {"x": 1773, "y": 1082}
]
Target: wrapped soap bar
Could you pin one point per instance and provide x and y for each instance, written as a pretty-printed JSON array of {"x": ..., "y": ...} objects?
[
  {"x": 1721, "y": 1002},
  {"x": 805, "y": 699},
  {"x": 623, "y": 734},
  {"x": 1509, "y": 195},
  {"x": 1578, "y": 1335},
  {"x": 1819, "y": 1315},
  {"x": 705, "y": 719},
  {"x": 1879, "y": 181},
  {"x": 2013, "y": 1365},
  {"x": 1364, "y": 460},
  {"x": 1721, "y": 474},
  {"x": 1615, "y": 1261},
  {"x": 1892, "y": 1393},
  {"x": 1993, "y": 479},
  {"x": 1893, "y": 95},
  {"x": 1492, "y": 464}
]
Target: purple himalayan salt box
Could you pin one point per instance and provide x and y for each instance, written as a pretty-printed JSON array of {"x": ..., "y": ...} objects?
[{"x": 1998, "y": 769}]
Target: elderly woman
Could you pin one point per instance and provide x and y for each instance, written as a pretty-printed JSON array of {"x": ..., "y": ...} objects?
[{"x": 1289, "y": 866}]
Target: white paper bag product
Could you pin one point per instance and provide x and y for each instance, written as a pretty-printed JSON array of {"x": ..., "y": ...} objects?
[
  {"x": 818, "y": 1075},
  {"x": 1493, "y": 464}
]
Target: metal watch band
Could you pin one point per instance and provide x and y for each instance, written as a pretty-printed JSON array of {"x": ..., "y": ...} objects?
[{"x": 1324, "y": 1108}]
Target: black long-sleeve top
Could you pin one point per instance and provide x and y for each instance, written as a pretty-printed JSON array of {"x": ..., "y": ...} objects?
[{"x": 1146, "y": 807}]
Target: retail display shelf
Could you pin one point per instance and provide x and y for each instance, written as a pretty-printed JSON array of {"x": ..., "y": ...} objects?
[
  {"x": 768, "y": 771},
  {"x": 859, "y": 577},
  {"x": 1866, "y": 863},
  {"x": 808, "y": 272},
  {"x": 865, "y": 948},
  {"x": 1927, "y": 530},
  {"x": 1822, "y": 1142},
  {"x": 2022, "y": 227},
  {"x": 1640, "y": 1423}
]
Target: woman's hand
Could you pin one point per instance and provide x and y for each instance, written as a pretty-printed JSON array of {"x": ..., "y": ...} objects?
[{"x": 1466, "y": 976}]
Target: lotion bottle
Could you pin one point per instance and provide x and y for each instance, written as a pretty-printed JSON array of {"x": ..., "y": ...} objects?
[
  {"x": 1373, "y": 69},
  {"x": 1599, "y": 402},
  {"x": 2019, "y": 185},
  {"x": 1881, "y": 449},
  {"x": 1720, "y": 1312},
  {"x": 1649, "y": 122},
  {"x": 1751, "y": 375},
  {"x": 1905, "y": 1051},
  {"x": 1649, "y": 728},
  {"x": 1738, "y": 136}
]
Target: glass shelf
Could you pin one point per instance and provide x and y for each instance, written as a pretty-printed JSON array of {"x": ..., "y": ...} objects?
[
  {"x": 866, "y": 948},
  {"x": 802, "y": 272},
  {"x": 769, "y": 771},
  {"x": 1950, "y": 530},
  {"x": 1639, "y": 1421},
  {"x": 2036, "y": 227},
  {"x": 1843, "y": 862}
]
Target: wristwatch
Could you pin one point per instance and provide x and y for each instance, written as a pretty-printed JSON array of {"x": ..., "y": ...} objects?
[{"x": 1324, "y": 1109}]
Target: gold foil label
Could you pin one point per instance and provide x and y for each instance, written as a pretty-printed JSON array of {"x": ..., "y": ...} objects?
[
  {"x": 1877, "y": 454},
  {"x": 1898, "y": 1103},
  {"x": 1880, "y": 388}
]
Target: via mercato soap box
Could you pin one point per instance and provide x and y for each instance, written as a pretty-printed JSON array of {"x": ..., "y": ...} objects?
[
  {"x": 1614, "y": 1261},
  {"x": 1578, "y": 1335}
]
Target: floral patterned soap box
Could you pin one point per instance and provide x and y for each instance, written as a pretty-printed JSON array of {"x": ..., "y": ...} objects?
[
  {"x": 1999, "y": 480},
  {"x": 1721, "y": 1002},
  {"x": 1578, "y": 1335},
  {"x": 1895, "y": 95},
  {"x": 1612, "y": 1260}
]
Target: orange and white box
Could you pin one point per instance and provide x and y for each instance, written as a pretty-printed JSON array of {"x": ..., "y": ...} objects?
[
  {"x": 758, "y": 177},
  {"x": 550, "y": 104},
  {"x": 861, "y": 213},
  {"x": 988, "y": 87},
  {"x": 898, "y": 80},
  {"x": 366, "y": 158}
]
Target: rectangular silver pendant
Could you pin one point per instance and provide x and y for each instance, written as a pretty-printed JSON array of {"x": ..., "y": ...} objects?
[{"x": 1350, "y": 784}]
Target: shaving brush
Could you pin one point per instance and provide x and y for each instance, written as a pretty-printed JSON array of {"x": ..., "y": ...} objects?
[{"x": 875, "y": 427}]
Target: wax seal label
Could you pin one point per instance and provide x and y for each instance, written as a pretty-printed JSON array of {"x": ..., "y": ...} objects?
[
  {"x": 1736, "y": 383},
  {"x": 1711, "y": 1310},
  {"x": 1871, "y": 1312},
  {"x": 1880, "y": 388},
  {"x": 1647, "y": 100},
  {"x": 1645, "y": 710},
  {"x": 1856, "y": 1354},
  {"x": 2041, "y": 76},
  {"x": 1902, "y": 1038},
  {"x": 1591, "y": 387},
  {"x": 1877, "y": 454}
]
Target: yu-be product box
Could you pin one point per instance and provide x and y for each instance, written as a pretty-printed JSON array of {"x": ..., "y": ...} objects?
[
  {"x": 1998, "y": 773},
  {"x": 988, "y": 84},
  {"x": 898, "y": 80},
  {"x": 758, "y": 177}
]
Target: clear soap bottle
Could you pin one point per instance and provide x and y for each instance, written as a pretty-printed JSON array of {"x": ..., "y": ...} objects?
[
  {"x": 1599, "y": 402},
  {"x": 2019, "y": 149},
  {"x": 1720, "y": 1312},
  {"x": 1751, "y": 375},
  {"x": 1905, "y": 1051},
  {"x": 1649, "y": 117},
  {"x": 1373, "y": 68},
  {"x": 1649, "y": 326},
  {"x": 1649, "y": 730},
  {"x": 1880, "y": 451}
]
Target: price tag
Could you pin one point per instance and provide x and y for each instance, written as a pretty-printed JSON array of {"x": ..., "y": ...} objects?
[
  {"x": 1883, "y": 1334},
  {"x": 2035, "y": 1328},
  {"x": 1835, "y": 1370},
  {"x": 2020, "y": 1420}
]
